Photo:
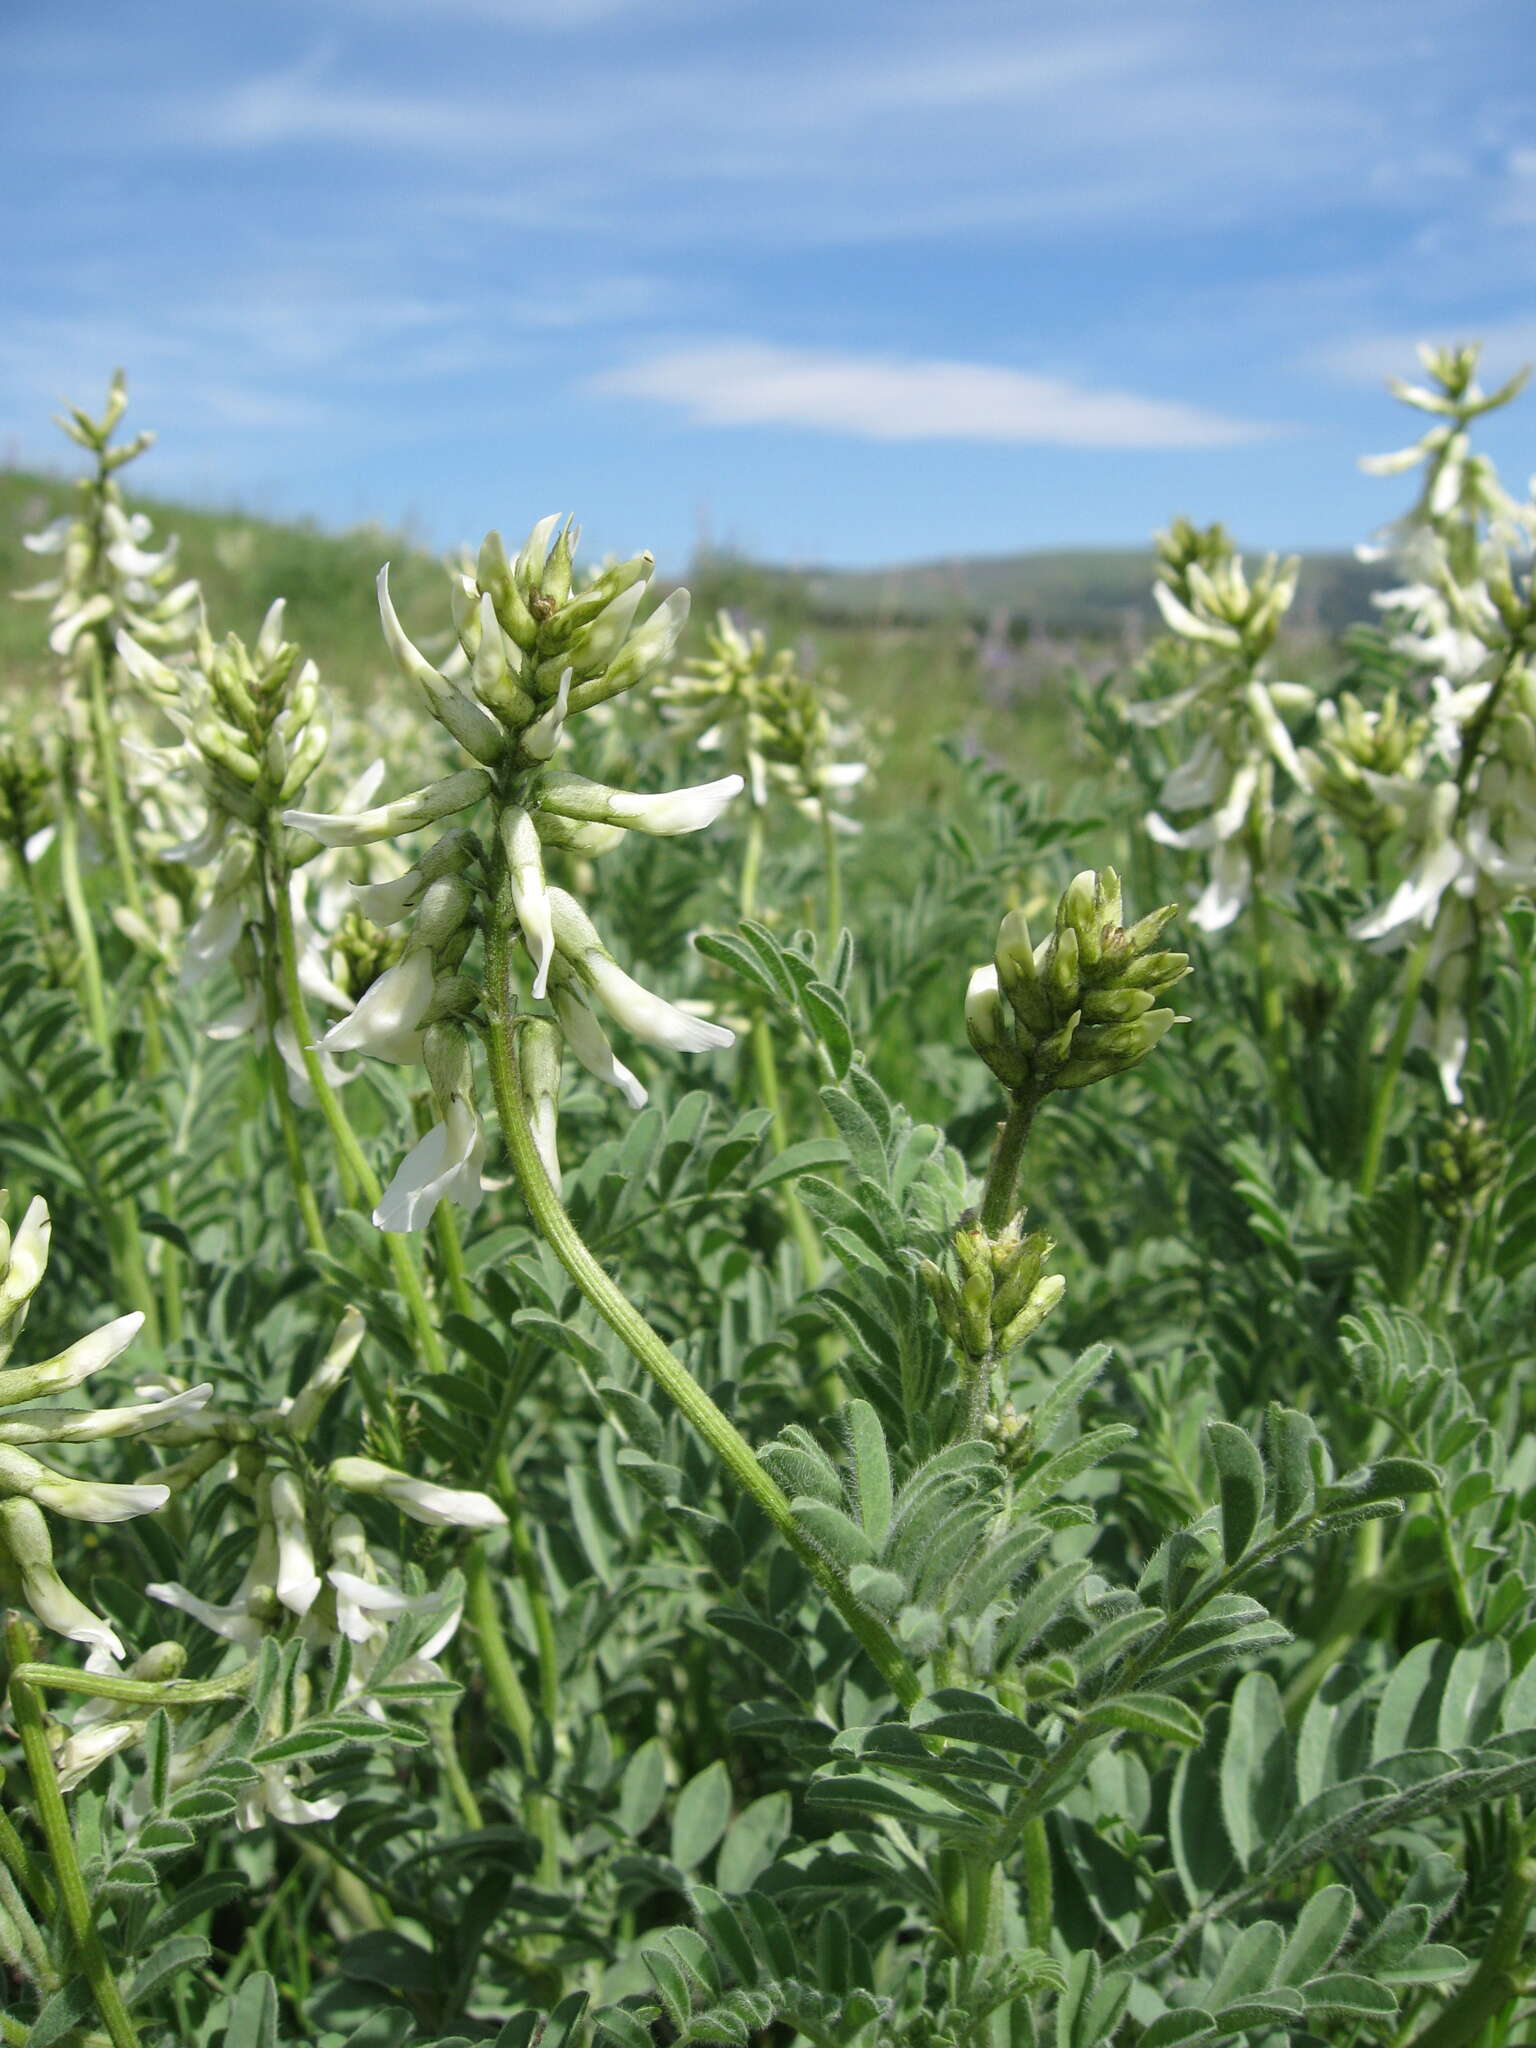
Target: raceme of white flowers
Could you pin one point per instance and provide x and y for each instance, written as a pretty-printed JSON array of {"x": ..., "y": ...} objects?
[
  {"x": 108, "y": 573},
  {"x": 1229, "y": 623},
  {"x": 28, "y": 1484},
  {"x": 534, "y": 651},
  {"x": 779, "y": 722},
  {"x": 1453, "y": 792},
  {"x": 253, "y": 732}
]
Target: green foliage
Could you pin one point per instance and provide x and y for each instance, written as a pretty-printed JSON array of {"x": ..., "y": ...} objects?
[{"x": 642, "y": 1616}]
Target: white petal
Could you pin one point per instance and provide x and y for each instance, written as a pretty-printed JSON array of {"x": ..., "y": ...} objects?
[
  {"x": 443, "y": 1166},
  {"x": 392, "y": 1007},
  {"x": 650, "y": 1017},
  {"x": 589, "y": 1042}
]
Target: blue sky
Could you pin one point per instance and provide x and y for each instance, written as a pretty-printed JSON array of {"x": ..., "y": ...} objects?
[{"x": 854, "y": 283}]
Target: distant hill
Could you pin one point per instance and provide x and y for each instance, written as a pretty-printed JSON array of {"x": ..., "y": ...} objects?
[
  {"x": 1060, "y": 593},
  {"x": 328, "y": 579}
]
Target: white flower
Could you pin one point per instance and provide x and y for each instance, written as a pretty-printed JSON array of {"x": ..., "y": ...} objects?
[
  {"x": 386, "y": 1022},
  {"x": 443, "y": 1506},
  {"x": 1227, "y": 889},
  {"x": 77, "y": 1757},
  {"x": 530, "y": 892},
  {"x": 236, "y": 1623},
  {"x": 664, "y": 815},
  {"x": 77, "y": 1361},
  {"x": 443, "y": 1166},
  {"x": 387, "y": 821},
  {"x": 588, "y": 1041},
  {"x": 24, "y": 1534},
  {"x": 212, "y": 939},
  {"x": 297, "y": 1580},
  {"x": 651, "y": 1017},
  {"x": 277, "y": 1797},
  {"x": 1442, "y": 863}
]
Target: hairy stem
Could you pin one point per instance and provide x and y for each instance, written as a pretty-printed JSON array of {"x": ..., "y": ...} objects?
[
  {"x": 630, "y": 1326},
  {"x": 1499, "y": 1976},
  {"x": 998, "y": 1193},
  {"x": 53, "y": 1818}
]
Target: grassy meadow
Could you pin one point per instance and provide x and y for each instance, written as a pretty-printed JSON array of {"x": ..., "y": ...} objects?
[{"x": 806, "y": 1320}]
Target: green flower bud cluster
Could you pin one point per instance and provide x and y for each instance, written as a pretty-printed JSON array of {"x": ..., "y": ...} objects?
[
  {"x": 1356, "y": 749},
  {"x": 1464, "y": 1166},
  {"x": 1206, "y": 594},
  {"x": 29, "y": 1485},
  {"x": 1003, "y": 1293},
  {"x": 26, "y": 792},
  {"x": 110, "y": 575},
  {"x": 786, "y": 725},
  {"x": 1081, "y": 1005},
  {"x": 250, "y": 717}
]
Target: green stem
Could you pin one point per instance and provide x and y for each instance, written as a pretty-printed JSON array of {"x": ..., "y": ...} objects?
[
  {"x": 125, "y": 1238},
  {"x": 1271, "y": 1001},
  {"x": 625, "y": 1320},
  {"x": 832, "y": 875},
  {"x": 33, "y": 1948},
  {"x": 282, "y": 1101},
  {"x": 450, "y": 1251},
  {"x": 459, "y": 1787},
  {"x": 349, "y": 1151},
  {"x": 136, "y": 1692},
  {"x": 98, "y": 657},
  {"x": 1040, "y": 1908},
  {"x": 510, "y": 1698},
  {"x": 1456, "y": 1262},
  {"x": 1498, "y": 1978},
  {"x": 997, "y": 1195},
  {"x": 1392, "y": 1064},
  {"x": 53, "y": 1817},
  {"x": 105, "y": 743},
  {"x": 507, "y": 1690},
  {"x": 82, "y": 931},
  {"x": 23, "y": 1866},
  {"x": 751, "y": 858},
  {"x": 532, "y": 1576}
]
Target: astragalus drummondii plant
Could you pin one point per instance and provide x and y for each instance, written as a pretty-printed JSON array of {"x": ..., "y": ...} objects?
[{"x": 976, "y": 1519}]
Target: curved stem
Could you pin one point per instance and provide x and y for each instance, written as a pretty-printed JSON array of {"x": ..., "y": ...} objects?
[
  {"x": 349, "y": 1151},
  {"x": 630, "y": 1326},
  {"x": 53, "y": 1818},
  {"x": 998, "y": 1193},
  {"x": 1498, "y": 1977}
]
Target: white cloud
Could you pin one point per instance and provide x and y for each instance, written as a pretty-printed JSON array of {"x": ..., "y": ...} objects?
[
  {"x": 1372, "y": 358},
  {"x": 885, "y": 398}
]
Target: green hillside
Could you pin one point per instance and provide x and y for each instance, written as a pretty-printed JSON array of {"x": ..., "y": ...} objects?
[
  {"x": 971, "y": 648},
  {"x": 1062, "y": 592}
]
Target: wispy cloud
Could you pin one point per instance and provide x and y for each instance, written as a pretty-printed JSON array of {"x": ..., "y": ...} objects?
[
  {"x": 883, "y": 398},
  {"x": 1507, "y": 346}
]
